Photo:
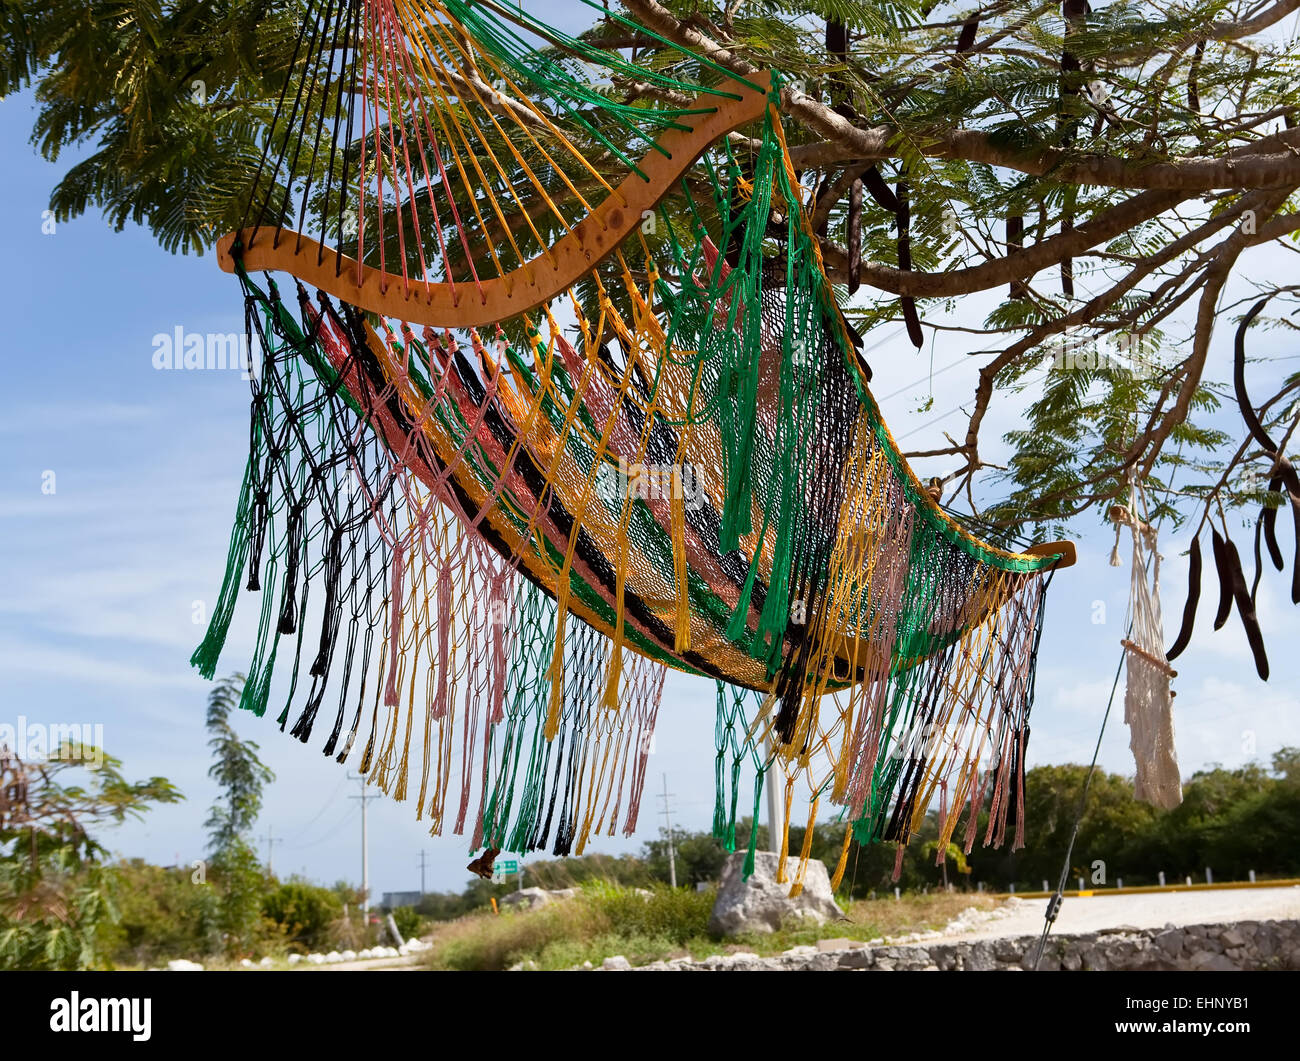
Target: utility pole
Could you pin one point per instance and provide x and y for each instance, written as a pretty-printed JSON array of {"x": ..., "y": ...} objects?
[
  {"x": 672, "y": 854},
  {"x": 365, "y": 797},
  {"x": 421, "y": 872},
  {"x": 775, "y": 811},
  {"x": 270, "y": 841}
]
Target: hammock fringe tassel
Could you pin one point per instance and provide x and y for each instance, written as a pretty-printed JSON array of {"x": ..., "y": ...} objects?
[{"x": 477, "y": 554}]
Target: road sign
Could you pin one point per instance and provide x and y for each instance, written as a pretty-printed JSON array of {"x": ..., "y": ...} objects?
[{"x": 505, "y": 867}]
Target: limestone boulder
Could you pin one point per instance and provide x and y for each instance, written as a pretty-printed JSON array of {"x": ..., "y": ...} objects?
[
  {"x": 761, "y": 905},
  {"x": 526, "y": 898}
]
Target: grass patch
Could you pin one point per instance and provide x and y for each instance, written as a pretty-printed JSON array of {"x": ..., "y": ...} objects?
[
  {"x": 650, "y": 925},
  {"x": 600, "y": 921}
]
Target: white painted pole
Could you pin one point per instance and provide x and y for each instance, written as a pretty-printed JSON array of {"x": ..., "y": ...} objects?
[
  {"x": 668, "y": 821},
  {"x": 775, "y": 811},
  {"x": 365, "y": 798}
]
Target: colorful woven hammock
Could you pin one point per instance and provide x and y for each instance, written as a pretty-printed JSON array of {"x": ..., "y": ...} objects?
[{"x": 563, "y": 398}]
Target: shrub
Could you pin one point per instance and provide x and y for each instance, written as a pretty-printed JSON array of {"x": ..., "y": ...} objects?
[
  {"x": 673, "y": 914},
  {"x": 164, "y": 913},
  {"x": 304, "y": 913},
  {"x": 409, "y": 922}
]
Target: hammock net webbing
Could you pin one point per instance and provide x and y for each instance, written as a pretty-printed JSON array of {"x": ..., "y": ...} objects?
[{"x": 485, "y": 543}]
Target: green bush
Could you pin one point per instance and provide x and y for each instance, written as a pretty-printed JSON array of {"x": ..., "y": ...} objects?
[
  {"x": 409, "y": 922},
  {"x": 673, "y": 914},
  {"x": 305, "y": 914},
  {"x": 164, "y": 913}
]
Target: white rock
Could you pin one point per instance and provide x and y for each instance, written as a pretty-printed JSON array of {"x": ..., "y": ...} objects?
[
  {"x": 349, "y": 955},
  {"x": 294, "y": 959},
  {"x": 266, "y": 962},
  {"x": 616, "y": 962},
  {"x": 760, "y": 904},
  {"x": 246, "y": 963},
  {"x": 333, "y": 958},
  {"x": 184, "y": 965},
  {"x": 527, "y": 898}
]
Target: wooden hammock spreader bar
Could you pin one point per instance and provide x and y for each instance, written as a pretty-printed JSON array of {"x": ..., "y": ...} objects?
[
  {"x": 1065, "y": 550},
  {"x": 1155, "y": 661},
  {"x": 536, "y": 282}
]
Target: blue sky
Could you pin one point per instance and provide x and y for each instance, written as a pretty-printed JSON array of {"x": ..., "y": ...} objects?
[{"x": 101, "y": 577}]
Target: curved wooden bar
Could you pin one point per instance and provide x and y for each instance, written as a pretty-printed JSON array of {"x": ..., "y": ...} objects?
[
  {"x": 470, "y": 305},
  {"x": 1066, "y": 550}
]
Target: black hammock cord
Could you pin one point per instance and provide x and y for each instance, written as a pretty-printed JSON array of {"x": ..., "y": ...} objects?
[{"x": 1058, "y": 897}]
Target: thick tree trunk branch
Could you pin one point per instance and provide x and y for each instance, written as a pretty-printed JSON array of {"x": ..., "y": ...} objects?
[
  {"x": 1215, "y": 31},
  {"x": 1216, "y": 277},
  {"x": 1016, "y": 266},
  {"x": 1273, "y": 162}
]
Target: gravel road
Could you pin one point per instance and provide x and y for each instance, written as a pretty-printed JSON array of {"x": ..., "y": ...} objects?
[{"x": 1146, "y": 910}]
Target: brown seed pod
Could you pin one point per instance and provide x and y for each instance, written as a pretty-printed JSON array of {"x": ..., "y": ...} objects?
[
  {"x": 1225, "y": 579},
  {"x": 1268, "y": 518},
  {"x": 1193, "y": 599},
  {"x": 1246, "y": 609}
]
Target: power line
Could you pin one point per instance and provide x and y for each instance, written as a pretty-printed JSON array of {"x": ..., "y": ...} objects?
[
  {"x": 330, "y": 834},
  {"x": 957, "y": 409},
  {"x": 321, "y": 810}
]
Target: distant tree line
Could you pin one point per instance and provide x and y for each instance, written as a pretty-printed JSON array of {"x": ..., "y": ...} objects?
[
  {"x": 1231, "y": 820},
  {"x": 63, "y": 904}
]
